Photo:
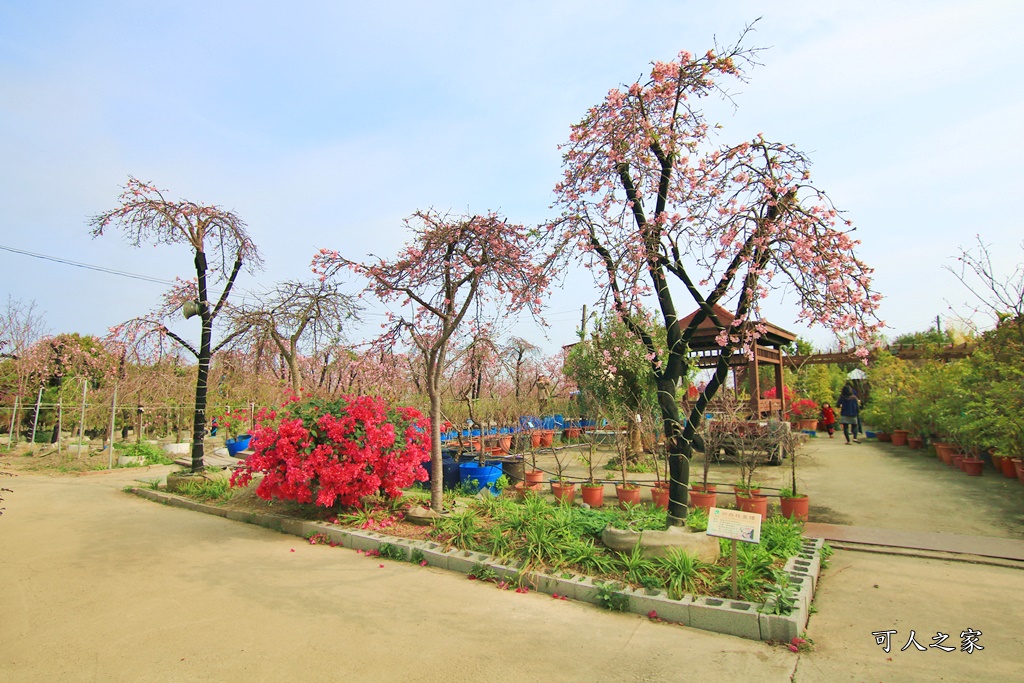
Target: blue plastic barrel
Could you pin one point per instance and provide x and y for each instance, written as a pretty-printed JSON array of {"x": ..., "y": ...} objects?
[{"x": 485, "y": 475}]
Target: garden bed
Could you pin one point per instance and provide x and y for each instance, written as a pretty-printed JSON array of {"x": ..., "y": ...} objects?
[{"x": 536, "y": 545}]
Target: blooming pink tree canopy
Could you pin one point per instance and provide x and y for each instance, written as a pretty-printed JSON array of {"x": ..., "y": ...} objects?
[
  {"x": 663, "y": 212},
  {"x": 451, "y": 266},
  {"x": 220, "y": 244}
]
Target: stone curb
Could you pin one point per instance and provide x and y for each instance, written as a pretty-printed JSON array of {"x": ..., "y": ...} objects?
[{"x": 719, "y": 615}]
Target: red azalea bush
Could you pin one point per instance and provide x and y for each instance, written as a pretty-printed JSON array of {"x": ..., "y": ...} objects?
[
  {"x": 804, "y": 409},
  {"x": 337, "y": 451},
  {"x": 787, "y": 393}
]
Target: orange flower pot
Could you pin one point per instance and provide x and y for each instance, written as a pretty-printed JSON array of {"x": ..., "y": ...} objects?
[
  {"x": 659, "y": 496},
  {"x": 754, "y": 503},
  {"x": 796, "y": 507},
  {"x": 593, "y": 494},
  {"x": 564, "y": 492},
  {"x": 703, "y": 499},
  {"x": 627, "y": 495}
]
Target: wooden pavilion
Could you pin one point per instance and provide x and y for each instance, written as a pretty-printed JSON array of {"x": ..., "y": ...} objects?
[{"x": 767, "y": 351}]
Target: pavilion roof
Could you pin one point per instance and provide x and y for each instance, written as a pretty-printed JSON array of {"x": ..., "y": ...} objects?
[{"x": 704, "y": 337}]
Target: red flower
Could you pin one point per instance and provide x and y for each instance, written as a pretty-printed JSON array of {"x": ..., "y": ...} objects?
[{"x": 338, "y": 452}]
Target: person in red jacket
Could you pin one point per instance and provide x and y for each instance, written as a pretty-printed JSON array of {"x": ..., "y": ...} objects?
[{"x": 828, "y": 418}]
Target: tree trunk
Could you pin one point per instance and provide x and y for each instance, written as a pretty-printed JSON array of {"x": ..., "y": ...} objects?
[
  {"x": 199, "y": 416},
  {"x": 679, "y": 452},
  {"x": 634, "y": 441},
  {"x": 436, "y": 466}
]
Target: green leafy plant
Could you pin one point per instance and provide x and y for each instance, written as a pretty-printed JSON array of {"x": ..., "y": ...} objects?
[
  {"x": 682, "y": 573},
  {"x": 697, "y": 519},
  {"x": 483, "y": 572},
  {"x": 392, "y": 552},
  {"x": 635, "y": 565},
  {"x": 610, "y": 597},
  {"x": 461, "y": 528},
  {"x": 207, "y": 489},
  {"x": 152, "y": 455},
  {"x": 781, "y": 597}
]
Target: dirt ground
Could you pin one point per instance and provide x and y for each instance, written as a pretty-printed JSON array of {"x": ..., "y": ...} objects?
[{"x": 99, "y": 585}]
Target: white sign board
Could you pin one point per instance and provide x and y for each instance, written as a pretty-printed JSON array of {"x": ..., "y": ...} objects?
[{"x": 734, "y": 524}]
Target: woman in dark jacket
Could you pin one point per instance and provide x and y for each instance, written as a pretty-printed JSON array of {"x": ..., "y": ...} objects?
[{"x": 849, "y": 409}]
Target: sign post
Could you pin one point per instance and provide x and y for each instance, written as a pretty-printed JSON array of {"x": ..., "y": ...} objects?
[{"x": 736, "y": 526}]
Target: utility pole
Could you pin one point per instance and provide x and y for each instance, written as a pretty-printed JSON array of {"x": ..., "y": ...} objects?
[
  {"x": 583, "y": 324},
  {"x": 938, "y": 325}
]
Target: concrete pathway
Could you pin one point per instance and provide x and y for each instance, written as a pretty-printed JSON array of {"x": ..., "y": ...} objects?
[
  {"x": 98, "y": 585},
  {"x": 981, "y": 546}
]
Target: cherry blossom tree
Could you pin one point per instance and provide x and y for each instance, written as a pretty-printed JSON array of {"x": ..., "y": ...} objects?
[
  {"x": 451, "y": 264},
  {"x": 661, "y": 212},
  {"x": 299, "y": 316},
  {"x": 21, "y": 327},
  {"x": 520, "y": 359},
  {"x": 221, "y": 246}
]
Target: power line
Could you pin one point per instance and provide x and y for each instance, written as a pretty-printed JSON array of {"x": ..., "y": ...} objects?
[{"x": 88, "y": 266}]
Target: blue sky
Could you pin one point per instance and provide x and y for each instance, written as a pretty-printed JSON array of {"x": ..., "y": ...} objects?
[{"x": 323, "y": 124}]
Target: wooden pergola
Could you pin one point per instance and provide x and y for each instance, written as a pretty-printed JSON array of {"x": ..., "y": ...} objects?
[
  {"x": 767, "y": 351},
  {"x": 943, "y": 352}
]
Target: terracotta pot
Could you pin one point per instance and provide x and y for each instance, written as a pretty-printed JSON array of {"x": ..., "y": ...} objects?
[
  {"x": 703, "y": 499},
  {"x": 754, "y": 503},
  {"x": 810, "y": 425},
  {"x": 884, "y": 437},
  {"x": 899, "y": 437},
  {"x": 572, "y": 433},
  {"x": 522, "y": 489},
  {"x": 593, "y": 494},
  {"x": 659, "y": 496},
  {"x": 958, "y": 461},
  {"x": 535, "y": 439},
  {"x": 547, "y": 438},
  {"x": 505, "y": 443},
  {"x": 627, "y": 496},
  {"x": 710, "y": 488},
  {"x": 796, "y": 507},
  {"x": 565, "y": 492},
  {"x": 972, "y": 466},
  {"x": 1009, "y": 471},
  {"x": 1019, "y": 464},
  {"x": 916, "y": 443},
  {"x": 534, "y": 477},
  {"x": 743, "y": 492}
]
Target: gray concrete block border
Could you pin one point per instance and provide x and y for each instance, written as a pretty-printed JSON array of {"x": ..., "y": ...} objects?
[{"x": 720, "y": 615}]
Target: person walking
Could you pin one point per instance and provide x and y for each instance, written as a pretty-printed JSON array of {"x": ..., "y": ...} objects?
[
  {"x": 828, "y": 418},
  {"x": 849, "y": 412}
]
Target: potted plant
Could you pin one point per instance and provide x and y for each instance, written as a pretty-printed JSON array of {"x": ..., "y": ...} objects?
[
  {"x": 592, "y": 489},
  {"x": 534, "y": 478},
  {"x": 628, "y": 493},
  {"x": 234, "y": 424},
  {"x": 563, "y": 489},
  {"x": 754, "y": 444},
  {"x": 660, "y": 490},
  {"x": 793, "y": 503},
  {"x": 805, "y": 412},
  {"x": 892, "y": 385}
]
